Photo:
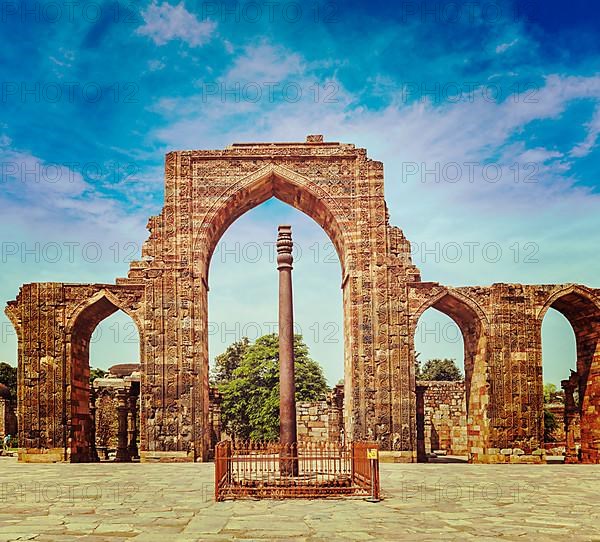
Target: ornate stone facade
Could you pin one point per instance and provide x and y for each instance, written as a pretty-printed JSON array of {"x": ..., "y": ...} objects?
[{"x": 166, "y": 295}]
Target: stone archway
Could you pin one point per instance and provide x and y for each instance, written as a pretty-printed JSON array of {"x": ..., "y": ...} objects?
[
  {"x": 583, "y": 313},
  {"x": 206, "y": 191},
  {"x": 79, "y": 329},
  {"x": 473, "y": 325},
  {"x": 165, "y": 293}
]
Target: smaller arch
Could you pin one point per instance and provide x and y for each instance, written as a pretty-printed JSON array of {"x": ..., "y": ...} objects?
[
  {"x": 570, "y": 300},
  {"x": 80, "y": 326},
  {"x": 582, "y": 310},
  {"x": 448, "y": 301},
  {"x": 473, "y": 325},
  {"x": 96, "y": 308}
]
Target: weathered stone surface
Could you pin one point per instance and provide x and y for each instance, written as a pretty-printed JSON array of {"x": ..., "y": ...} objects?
[
  {"x": 165, "y": 293},
  {"x": 158, "y": 503},
  {"x": 444, "y": 417}
]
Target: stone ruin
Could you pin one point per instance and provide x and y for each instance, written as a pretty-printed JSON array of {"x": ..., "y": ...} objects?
[
  {"x": 8, "y": 419},
  {"x": 166, "y": 295},
  {"x": 114, "y": 414}
]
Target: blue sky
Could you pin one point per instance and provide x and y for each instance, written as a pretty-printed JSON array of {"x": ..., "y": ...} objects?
[{"x": 485, "y": 114}]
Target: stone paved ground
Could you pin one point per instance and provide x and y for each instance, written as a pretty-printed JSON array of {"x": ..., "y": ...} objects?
[{"x": 173, "y": 502}]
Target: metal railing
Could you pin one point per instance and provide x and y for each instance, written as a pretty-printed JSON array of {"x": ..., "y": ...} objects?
[{"x": 325, "y": 469}]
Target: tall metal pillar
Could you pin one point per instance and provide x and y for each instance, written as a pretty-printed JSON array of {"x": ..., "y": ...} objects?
[{"x": 287, "y": 385}]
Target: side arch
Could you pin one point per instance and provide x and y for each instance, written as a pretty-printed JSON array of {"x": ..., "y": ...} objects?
[
  {"x": 582, "y": 310},
  {"x": 570, "y": 299},
  {"x": 474, "y": 327},
  {"x": 81, "y": 324},
  {"x": 98, "y": 307},
  {"x": 446, "y": 301}
]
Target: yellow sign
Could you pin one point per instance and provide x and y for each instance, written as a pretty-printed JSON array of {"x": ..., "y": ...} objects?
[{"x": 371, "y": 453}]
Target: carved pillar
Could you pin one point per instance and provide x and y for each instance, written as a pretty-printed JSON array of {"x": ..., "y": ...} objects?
[
  {"x": 132, "y": 432},
  {"x": 287, "y": 386},
  {"x": 122, "y": 413},
  {"x": 421, "y": 451},
  {"x": 571, "y": 417},
  {"x": 92, "y": 436}
]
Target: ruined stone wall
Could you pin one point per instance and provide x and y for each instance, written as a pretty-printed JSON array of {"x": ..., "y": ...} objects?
[
  {"x": 166, "y": 294},
  {"x": 319, "y": 421},
  {"x": 54, "y": 323},
  {"x": 444, "y": 417},
  {"x": 342, "y": 190},
  {"x": 501, "y": 325}
]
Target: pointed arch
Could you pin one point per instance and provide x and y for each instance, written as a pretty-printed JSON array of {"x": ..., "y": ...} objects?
[
  {"x": 80, "y": 326},
  {"x": 582, "y": 310},
  {"x": 284, "y": 184},
  {"x": 95, "y": 309},
  {"x": 572, "y": 301},
  {"x": 455, "y": 305},
  {"x": 474, "y": 327}
]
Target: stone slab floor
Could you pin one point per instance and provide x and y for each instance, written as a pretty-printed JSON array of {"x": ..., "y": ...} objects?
[{"x": 174, "y": 502}]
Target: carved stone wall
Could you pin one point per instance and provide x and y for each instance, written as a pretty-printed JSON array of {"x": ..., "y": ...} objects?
[
  {"x": 54, "y": 323},
  {"x": 501, "y": 325},
  {"x": 166, "y": 295}
]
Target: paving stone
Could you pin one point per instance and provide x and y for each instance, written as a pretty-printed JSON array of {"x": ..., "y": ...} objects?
[{"x": 507, "y": 502}]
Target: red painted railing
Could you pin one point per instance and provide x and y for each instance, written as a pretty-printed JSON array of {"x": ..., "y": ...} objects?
[{"x": 253, "y": 469}]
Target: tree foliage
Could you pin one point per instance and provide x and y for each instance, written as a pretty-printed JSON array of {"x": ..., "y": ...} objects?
[
  {"x": 250, "y": 396},
  {"x": 8, "y": 377},
  {"x": 229, "y": 361},
  {"x": 96, "y": 373},
  {"x": 552, "y": 394},
  {"x": 440, "y": 369}
]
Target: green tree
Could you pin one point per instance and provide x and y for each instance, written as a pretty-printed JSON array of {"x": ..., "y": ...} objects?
[
  {"x": 552, "y": 394},
  {"x": 250, "y": 398},
  {"x": 229, "y": 361},
  {"x": 96, "y": 373},
  {"x": 440, "y": 369},
  {"x": 417, "y": 367},
  {"x": 8, "y": 377}
]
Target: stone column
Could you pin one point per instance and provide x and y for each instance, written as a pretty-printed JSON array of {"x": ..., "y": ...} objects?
[
  {"x": 571, "y": 418},
  {"x": 122, "y": 412},
  {"x": 287, "y": 385},
  {"x": 421, "y": 450},
  {"x": 92, "y": 437},
  {"x": 133, "y": 429}
]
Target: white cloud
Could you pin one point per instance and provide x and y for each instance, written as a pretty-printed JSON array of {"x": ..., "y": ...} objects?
[
  {"x": 265, "y": 63},
  {"x": 533, "y": 200},
  {"x": 586, "y": 146},
  {"x": 503, "y": 47},
  {"x": 165, "y": 22},
  {"x": 156, "y": 65}
]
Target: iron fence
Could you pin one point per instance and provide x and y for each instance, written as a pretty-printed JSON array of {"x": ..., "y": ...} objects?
[{"x": 322, "y": 469}]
